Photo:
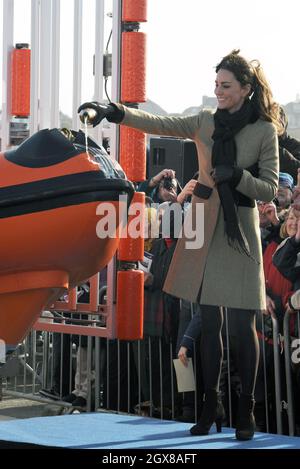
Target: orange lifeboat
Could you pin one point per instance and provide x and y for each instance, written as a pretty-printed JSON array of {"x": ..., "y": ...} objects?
[{"x": 50, "y": 193}]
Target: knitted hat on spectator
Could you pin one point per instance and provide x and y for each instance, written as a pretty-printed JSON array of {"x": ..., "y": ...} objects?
[{"x": 286, "y": 180}]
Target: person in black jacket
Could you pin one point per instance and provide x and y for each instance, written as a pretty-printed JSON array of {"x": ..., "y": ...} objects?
[
  {"x": 289, "y": 150},
  {"x": 286, "y": 258}
]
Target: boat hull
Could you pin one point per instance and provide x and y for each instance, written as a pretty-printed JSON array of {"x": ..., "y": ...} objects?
[{"x": 52, "y": 199}]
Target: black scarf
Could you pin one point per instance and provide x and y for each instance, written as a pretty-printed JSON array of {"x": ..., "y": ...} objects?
[{"x": 224, "y": 153}]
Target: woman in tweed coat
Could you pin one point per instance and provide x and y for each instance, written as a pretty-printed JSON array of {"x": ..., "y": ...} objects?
[{"x": 238, "y": 164}]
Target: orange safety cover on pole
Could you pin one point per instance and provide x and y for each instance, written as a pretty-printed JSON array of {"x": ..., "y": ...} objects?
[
  {"x": 131, "y": 246},
  {"x": 134, "y": 10},
  {"x": 133, "y": 66},
  {"x": 133, "y": 153},
  {"x": 130, "y": 314},
  {"x": 20, "y": 81}
]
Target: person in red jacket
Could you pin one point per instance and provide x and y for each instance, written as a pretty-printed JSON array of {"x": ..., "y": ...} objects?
[
  {"x": 278, "y": 291},
  {"x": 278, "y": 288}
]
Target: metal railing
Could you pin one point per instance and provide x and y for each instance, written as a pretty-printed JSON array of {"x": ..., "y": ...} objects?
[{"x": 138, "y": 376}]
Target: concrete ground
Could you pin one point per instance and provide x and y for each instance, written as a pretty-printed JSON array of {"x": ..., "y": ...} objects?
[
  {"x": 19, "y": 408},
  {"x": 14, "y": 406}
]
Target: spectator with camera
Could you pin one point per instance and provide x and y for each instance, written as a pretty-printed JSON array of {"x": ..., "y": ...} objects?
[
  {"x": 163, "y": 187},
  {"x": 273, "y": 214}
]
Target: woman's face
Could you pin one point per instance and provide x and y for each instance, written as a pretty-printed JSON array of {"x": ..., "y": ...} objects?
[
  {"x": 230, "y": 93},
  {"x": 292, "y": 222}
]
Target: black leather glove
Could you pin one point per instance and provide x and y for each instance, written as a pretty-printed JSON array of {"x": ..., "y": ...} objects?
[
  {"x": 109, "y": 111},
  {"x": 224, "y": 173}
]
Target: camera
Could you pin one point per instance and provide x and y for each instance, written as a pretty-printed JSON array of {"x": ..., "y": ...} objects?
[{"x": 168, "y": 183}]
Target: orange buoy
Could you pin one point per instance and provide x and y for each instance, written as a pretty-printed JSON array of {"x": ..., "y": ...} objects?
[
  {"x": 20, "y": 81},
  {"x": 133, "y": 66},
  {"x": 133, "y": 153},
  {"x": 130, "y": 314},
  {"x": 131, "y": 246},
  {"x": 134, "y": 10}
]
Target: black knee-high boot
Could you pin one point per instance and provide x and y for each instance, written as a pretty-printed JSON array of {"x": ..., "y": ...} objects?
[
  {"x": 213, "y": 411},
  {"x": 247, "y": 361},
  {"x": 245, "y": 426}
]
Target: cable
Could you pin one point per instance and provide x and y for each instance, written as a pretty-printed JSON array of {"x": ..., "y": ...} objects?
[
  {"x": 108, "y": 41},
  {"x": 105, "y": 89},
  {"x": 106, "y": 77}
]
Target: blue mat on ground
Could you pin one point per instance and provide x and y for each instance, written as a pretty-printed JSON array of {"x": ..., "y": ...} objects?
[{"x": 115, "y": 431}]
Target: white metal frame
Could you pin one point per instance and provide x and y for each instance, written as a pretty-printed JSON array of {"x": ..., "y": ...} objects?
[
  {"x": 45, "y": 64},
  {"x": 116, "y": 72},
  {"x": 34, "y": 67},
  {"x": 45, "y": 73},
  {"x": 99, "y": 51},
  {"x": 55, "y": 56},
  {"x": 8, "y": 34},
  {"x": 114, "y": 142},
  {"x": 77, "y": 62},
  {"x": 44, "y": 81}
]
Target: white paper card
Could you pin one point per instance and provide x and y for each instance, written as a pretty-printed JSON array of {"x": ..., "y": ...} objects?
[
  {"x": 145, "y": 264},
  {"x": 185, "y": 375}
]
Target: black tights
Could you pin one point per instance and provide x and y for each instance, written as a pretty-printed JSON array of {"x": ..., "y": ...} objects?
[{"x": 212, "y": 346}]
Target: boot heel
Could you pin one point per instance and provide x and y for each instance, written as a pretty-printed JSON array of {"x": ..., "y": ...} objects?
[
  {"x": 245, "y": 422},
  {"x": 219, "y": 425},
  {"x": 213, "y": 411}
]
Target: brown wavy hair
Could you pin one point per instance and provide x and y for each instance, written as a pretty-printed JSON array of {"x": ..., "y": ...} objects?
[{"x": 261, "y": 95}]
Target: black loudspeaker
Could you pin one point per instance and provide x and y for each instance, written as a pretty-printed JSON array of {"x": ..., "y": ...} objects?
[{"x": 173, "y": 153}]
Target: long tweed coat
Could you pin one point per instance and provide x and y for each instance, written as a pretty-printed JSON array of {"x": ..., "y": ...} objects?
[{"x": 217, "y": 274}]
